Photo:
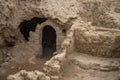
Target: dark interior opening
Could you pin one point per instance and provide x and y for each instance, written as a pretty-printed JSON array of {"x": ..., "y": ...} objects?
[
  {"x": 64, "y": 31},
  {"x": 48, "y": 41},
  {"x": 30, "y": 25}
]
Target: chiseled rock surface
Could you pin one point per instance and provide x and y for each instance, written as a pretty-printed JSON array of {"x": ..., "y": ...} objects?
[{"x": 97, "y": 41}]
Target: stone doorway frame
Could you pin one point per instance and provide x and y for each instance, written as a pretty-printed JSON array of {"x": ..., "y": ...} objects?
[{"x": 35, "y": 39}]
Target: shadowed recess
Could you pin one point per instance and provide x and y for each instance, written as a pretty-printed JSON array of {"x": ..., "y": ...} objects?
[
  {"x": 48, "y": 41},
  {"x": 30, "y": 25}
]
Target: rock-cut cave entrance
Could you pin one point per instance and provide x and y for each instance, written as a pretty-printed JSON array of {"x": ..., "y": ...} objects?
[{"x": 48, "y": 41}]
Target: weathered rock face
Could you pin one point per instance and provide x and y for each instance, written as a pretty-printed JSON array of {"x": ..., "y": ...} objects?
[
  {"x": 8, "y": 35},
  {"x": 102, "y": 13},
  {"x": 13, "y": 12},
  {"x": 20, "y": 10},
  {"x": 97, "y": 41},
  {"x": 95, "y": 25}
]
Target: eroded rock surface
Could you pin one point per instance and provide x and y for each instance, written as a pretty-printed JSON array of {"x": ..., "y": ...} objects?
[
  {"x": 90, "y": 27},
  {"x": 24, "y": 75}
]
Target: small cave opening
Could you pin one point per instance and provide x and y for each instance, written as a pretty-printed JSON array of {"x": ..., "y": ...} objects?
[
  {"x": 48, "y": 41},
  {"x": 30, "y": 25}
]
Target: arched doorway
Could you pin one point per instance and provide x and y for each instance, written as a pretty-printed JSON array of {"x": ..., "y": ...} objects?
[{"x": 48, "y": 41}]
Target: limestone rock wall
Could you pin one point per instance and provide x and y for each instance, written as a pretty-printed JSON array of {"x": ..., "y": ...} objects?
[
  {"x": 93, "y": 24},
  {"x": 102, "y": 13},
  {"x": 13, "y": 12},
  {"x": 97, "y": 41}
]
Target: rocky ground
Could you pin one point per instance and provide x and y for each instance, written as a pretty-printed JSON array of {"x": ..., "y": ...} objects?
[{"x": 84, "y": 67}]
